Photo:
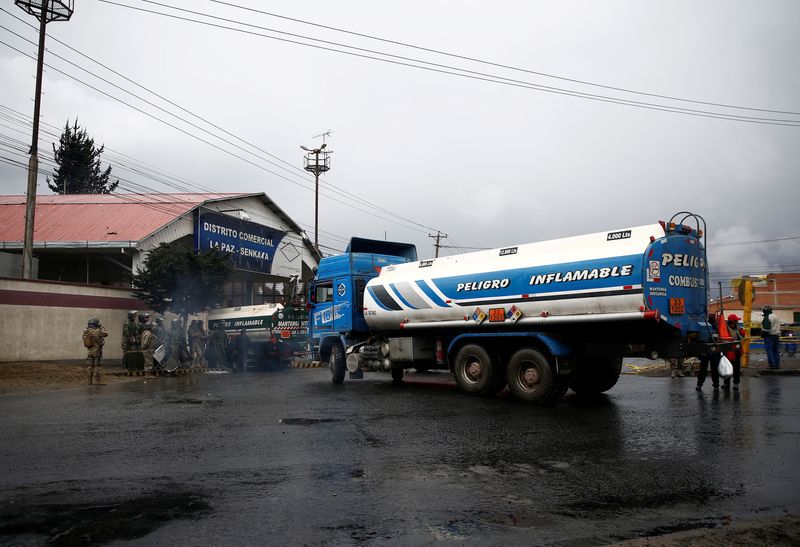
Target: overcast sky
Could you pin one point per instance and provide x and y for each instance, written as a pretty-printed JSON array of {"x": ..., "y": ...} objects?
[{"x": 489, "y": 164}]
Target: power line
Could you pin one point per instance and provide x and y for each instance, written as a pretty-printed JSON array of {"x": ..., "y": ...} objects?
[
  {"x": 464, "y": 73},
  {"x": 342, "y": 202},
  {"x": 737, "y": 243},
  {"x": 499, "y": 65},
  {"x": 358, "y": 198}
]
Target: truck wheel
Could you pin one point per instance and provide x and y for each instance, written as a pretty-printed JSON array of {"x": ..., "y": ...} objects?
[
  {"x": 596, "y": 375},
  {"x": 531, "y": 379},
  {"x": 475, "y": 371},
  {"x": 337, "y": 364}
]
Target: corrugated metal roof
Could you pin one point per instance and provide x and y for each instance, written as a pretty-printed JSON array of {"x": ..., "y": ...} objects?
[{"x": 98, "y": 217}]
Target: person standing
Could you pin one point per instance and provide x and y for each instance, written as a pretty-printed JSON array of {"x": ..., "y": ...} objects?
[
  {"x": 176, "y": 344},
  {"x": 148, "y": 346},
  {"x": 242, "y": 350},
  {"x": 160, "y": 332},
  {"x": 735, "y": 356},
  {"x": 93, "y": 339},
  {"x": 219, "y": 339},
  {"x": 130, "y": 339},
  {"x": 771, "y": 333},
  {"x": 197, "y": 342}
]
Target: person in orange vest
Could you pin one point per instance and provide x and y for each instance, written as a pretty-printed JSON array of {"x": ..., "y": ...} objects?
[{"x": 735, "y": 357}]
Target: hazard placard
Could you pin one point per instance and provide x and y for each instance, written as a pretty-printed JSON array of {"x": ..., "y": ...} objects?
[{"x": 676, "y": 306}]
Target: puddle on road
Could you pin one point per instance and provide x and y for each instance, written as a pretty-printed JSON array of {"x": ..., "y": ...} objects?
[
  {"x": 207, "y": 400},
  {"x": 307, "y": 421},
  {"x": 99, "y": 522}
]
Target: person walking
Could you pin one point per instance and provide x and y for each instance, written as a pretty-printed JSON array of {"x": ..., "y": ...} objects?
[
  {"x": 709, "y": 360},
  {"x": 735, "y": 356},
  {"x": 93, "y": 340},
  {"x": 771, "y": 333}
]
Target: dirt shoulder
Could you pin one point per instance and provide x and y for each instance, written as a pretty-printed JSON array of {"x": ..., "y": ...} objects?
[{"x": 32, "y": 376}]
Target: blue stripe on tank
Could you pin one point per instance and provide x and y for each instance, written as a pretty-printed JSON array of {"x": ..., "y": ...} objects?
[{"x": 429, "y": 292}]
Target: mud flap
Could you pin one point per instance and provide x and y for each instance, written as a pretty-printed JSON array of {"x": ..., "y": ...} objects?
[{"x": 357, "y": 375}]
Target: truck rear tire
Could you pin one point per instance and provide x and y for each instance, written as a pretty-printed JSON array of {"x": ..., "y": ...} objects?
[
  {"x": 596, "y": 375},
  {"x": 531, "y": 378},
  {"x": 475, "y": 371},
  {"x": 336, "y": 362}
]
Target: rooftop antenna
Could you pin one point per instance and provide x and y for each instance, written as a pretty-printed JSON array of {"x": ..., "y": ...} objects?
[{"x": 323, "y": 135}]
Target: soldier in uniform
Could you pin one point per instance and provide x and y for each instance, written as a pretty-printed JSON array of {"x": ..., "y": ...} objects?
[
  {"x": 219, "y": 339},
  {"x": 130, "y": 338},
  {"x": 197, "y": 342},
  {"x": 176, "y": 342},
  {"x": 160, "y": 331},
  {"x": 144, "y": 318},
  {"x": 93, "y": 339},
  {"x": 148, "y": 346}
]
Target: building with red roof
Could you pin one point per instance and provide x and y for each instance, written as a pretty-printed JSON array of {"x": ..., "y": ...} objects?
[{"x": 101, "y": 239}]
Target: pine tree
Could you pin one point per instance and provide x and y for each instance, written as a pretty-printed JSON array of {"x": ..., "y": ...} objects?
[{"x": 78, "y": 160}]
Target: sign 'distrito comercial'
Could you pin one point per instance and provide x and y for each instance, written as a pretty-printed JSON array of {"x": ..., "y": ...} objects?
[{"x": 252, "y": 246}]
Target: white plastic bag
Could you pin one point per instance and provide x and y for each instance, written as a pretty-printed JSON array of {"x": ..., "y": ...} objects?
[{"x": 725, "y": 367}]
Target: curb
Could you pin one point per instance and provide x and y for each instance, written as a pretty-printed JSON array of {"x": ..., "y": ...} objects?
[
  {"x": 313, "y": 364},
  {"x": 142, "y": 373}
]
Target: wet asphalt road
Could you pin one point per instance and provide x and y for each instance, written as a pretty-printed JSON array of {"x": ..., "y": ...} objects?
[{"x": 287, "y": 458}]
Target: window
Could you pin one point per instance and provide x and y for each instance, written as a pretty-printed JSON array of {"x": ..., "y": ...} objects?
[{"x": 324, "y": 293}]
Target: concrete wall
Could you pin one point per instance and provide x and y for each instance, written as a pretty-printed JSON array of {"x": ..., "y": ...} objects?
[{"x": 44, "y": 320}]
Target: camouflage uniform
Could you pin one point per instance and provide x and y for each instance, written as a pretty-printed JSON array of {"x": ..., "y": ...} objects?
[
  {"x": 131, "y": 337},
  {"x": 96, "y": 333},
  {"x": 160, "y": 331},
  {"x": 176, "y": 343},
  {"x": 197, "y": 342},
  {"x": 148, "y": 346}
]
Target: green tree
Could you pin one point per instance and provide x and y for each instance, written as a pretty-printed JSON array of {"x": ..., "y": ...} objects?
[
  {"x": 78, "y": 160},
  {"x": 179, "y": 279}
]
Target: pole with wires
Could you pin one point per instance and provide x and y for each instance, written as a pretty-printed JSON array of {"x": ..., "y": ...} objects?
[{"x": 45, "y": 11}]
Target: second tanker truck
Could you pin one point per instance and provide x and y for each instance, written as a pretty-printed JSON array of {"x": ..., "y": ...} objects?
[{"x": 539, "y": 318}]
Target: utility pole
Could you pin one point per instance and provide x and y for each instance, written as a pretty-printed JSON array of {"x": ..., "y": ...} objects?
[
  {"x": 45, "y": 11},
  {"x": 317, "y": 162},
  {"x": 439, "y": 235}
]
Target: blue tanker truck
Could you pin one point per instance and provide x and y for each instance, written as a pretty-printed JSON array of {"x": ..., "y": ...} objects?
[{"x": 540, "y": 318}]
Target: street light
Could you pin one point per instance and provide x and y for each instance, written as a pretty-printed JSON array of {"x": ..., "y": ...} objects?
[
  {"x": 317, "y": 162},
  {"x": 44, "y": 11}
]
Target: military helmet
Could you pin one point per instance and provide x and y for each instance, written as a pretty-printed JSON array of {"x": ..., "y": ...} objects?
[
  {"x": 94, "y": 322},
  {"x": 131, "y": 313},
  {"x": 148, "y": 326}
]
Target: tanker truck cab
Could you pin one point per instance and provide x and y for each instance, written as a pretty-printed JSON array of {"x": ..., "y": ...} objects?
[
  {"x": 336, "y": 297},
  {"x": 539, "y": 318}
]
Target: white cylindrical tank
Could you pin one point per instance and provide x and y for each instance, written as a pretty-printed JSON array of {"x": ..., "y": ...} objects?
[{"x": 599, "y": 274}]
